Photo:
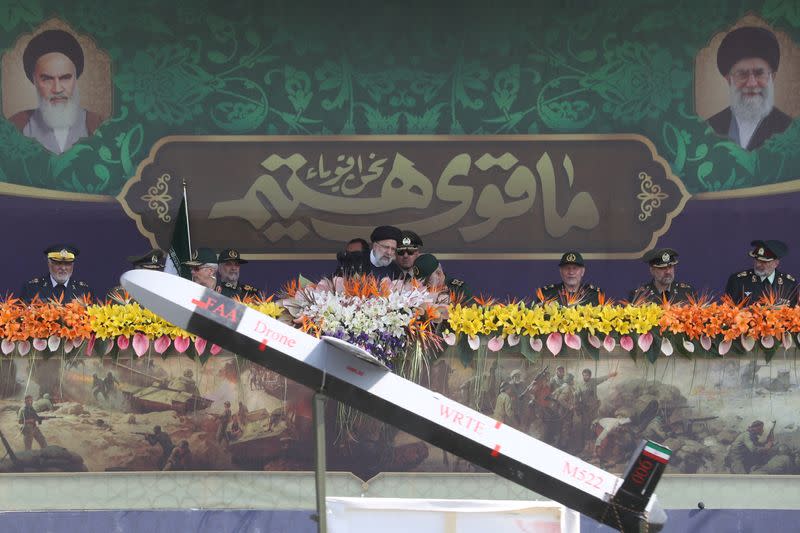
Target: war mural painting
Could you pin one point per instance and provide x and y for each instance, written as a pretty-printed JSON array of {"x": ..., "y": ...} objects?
[{"x": 67, "y": 414}]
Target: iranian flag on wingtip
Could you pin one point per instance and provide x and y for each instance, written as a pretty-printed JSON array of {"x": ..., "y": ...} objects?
[
  {"x": 657, "y": 452},
  {"x": 180, "y": 247}
]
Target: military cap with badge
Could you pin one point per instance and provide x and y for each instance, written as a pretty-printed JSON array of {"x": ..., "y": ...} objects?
[
  {"x": 408, "y": 249},
  {"x": 59, "y": 283},
  {"x": 764, "y": 279},
  {"x": 229, "y": 285},
  {"x": 575, "y": 292},
  {"x": 152, "y": 260},
  {"x": 663, "y": 285}
]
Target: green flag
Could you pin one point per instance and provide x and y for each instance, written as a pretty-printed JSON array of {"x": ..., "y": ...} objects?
[{"x": 180, "y": 247}]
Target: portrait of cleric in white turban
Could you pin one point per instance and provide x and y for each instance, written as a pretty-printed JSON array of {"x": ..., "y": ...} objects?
[
  {"x": 748, "y": 58},
  {"x": 53, "y": 61}
]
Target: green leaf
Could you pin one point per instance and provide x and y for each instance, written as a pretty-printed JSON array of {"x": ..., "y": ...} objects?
[
  {"x": 215, "y": 56},
  {"x": 252, "y": 37},
  {"x": 102, "y": 172},
  {"x": 526, "y": 350},
  {"x": 104, "y": 153},
  {"x": 465, "y": 353}
]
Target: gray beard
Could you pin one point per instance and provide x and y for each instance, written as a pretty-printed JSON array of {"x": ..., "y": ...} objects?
[
  {"x": 60, "y": 116},
  {"x": 751, "y": 109}
]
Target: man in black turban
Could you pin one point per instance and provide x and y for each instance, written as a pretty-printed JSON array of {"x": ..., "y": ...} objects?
[
  {"x": 53, "y": 61},
  {"x": 385, "y": 240},
  {"x": 748, "y": 59}
]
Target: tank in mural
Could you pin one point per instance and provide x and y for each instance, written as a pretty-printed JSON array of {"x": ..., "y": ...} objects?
[{"x": 720, "y": 416}]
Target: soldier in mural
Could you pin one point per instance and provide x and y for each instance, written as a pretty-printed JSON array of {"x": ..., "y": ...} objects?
[
  {"x": 748, "y": 452},
  {"x": 98, "y": 387},
  {"x": 662, "y": 286},
  {"x": 565, "y": 398},
  {"x": 59, "y": 283},
  {"x": 764, "y": 279},
  {"x": 180, "y": 458},
  {"x": 161, "y": 438},
  {"x": 224, "y": 420},
  {"x": 230, "y": 262},
  {"x": 571, "y": 290},
  {"x": 748, "y": 59},
  {"x": 559, "y": 378},
  {"x": 30, "y": 421},
  {"x": 53, "y": 62},
  {"x": 588, "y": 404},
  {"x": 504, "y": 406}
]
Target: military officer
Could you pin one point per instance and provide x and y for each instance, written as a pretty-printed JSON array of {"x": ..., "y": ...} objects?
[
  {"x": 204, "y": 267},
  {"x": 662, "y": 285},
  {"x": 152, "y": 260},
  {"x": 230, "y": 262},
  {"x": 571, "y": 290},
  {"x": 764, "y": 278},
  {"x": 428, "y": 269},
  {"x": 409, "y": 248},
  {"x": 59, "y": 282}
]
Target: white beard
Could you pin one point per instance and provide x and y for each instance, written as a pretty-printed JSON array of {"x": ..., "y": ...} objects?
[
  {"x": 62, "y": 115},
  {"x": 751, "y": 108}
]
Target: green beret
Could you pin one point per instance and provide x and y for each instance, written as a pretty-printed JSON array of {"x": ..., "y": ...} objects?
[
  {"x": 229, "y": 255},
  {"x": 201, "y": 256},
  {"x": 425, "y": 265},
  {"x": 571, "y": 258}
]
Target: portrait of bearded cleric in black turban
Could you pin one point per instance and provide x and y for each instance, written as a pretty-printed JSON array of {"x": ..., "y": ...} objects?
[
  {"x": 751, "y": 61},
  {"x": 53, "y": 62}
]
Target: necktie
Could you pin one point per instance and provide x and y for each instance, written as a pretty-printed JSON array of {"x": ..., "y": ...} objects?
[{"x": 59, "y": 289}]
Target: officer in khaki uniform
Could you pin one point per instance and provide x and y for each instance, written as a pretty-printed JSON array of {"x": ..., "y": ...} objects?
[
  {"x": 764, "y": 278},
  {"x": 59, "y": 282},
  {"x": 428, "y": 269},
  {"x": 571, "y": 290},
  {"x": 662, "y": 286},
  {"x": 230, "y": 262}
]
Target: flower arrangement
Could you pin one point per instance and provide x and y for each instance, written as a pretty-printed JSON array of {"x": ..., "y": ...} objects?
[
  {"x": 380, "y": 316},
  {"x": 389, "y": 318}
]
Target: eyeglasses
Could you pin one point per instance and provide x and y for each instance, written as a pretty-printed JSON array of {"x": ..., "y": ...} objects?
[
  {"x": 390, "y": 249},
  {"x": 760, "y": 74},
  {"x": 407, "y": 251}
]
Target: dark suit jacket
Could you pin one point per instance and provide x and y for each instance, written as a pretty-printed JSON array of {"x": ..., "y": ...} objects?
[{"x": 776, "y": 122}]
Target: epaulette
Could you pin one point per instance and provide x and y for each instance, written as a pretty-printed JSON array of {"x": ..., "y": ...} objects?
[
  {"x": 81, "y": 283},
  {"x": 456, "y": 282},
  {"x": 742, "y": 274},
  {"x": 592, "y": 287},
  {"x": 249, "y": 288},
  {"x": 789, "y": 277},
  {"x": 229, "y": 285},
  {"x": 548, "y": 286},
  {"x": 33, "y": 281},
  {"x": 683, "y": 285}
]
